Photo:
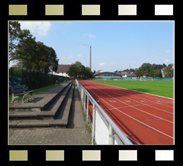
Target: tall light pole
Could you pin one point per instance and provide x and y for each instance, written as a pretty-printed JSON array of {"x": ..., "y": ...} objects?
[
  {"x": 90, "y": 52},
  {"x": 90, "y": 57}
]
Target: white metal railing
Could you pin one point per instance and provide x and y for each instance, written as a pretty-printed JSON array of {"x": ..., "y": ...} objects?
[{"x": 104, "y": 130}]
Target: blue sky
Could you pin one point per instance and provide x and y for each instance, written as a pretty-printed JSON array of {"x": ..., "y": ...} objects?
[{"x": 116, "y": 45}]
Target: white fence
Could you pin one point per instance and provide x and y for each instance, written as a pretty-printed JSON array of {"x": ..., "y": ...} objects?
[{"x": 104, "y": 130}]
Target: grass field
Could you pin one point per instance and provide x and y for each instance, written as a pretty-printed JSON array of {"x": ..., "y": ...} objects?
[{"x": 162, "y": 88}]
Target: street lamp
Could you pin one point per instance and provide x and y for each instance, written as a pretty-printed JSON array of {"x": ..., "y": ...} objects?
[{"x": 90, "y": 52}]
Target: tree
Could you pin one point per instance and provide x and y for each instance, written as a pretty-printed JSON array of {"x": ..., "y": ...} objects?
[
  {"x": 138, "y": 72},
  {"x": 129, "y": 70},
  {"x": 72, "y": 70},
  {"x": 35, "y": 56},
  {"x": 14, "y": 30},
  {"x": 53, "y": 58},
  {"x": 79, "y": 68},
  {"x": 38, "y": 56},
  {"x": 154, "y": 70},
  {"x": 88, "y": 73},
  {"x": 168, "y": 71},
  {"x": 45, "y": 57},
  {"x": 25, "y": 50},
  {"x": 157, "y": 73},
  {"x": 147, "y": 70},
  {"x": 79, "y": 71}
]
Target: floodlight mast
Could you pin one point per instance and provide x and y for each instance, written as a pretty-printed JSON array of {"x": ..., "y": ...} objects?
[
  {"x": 90, "y": 57},
  {"x": 90, "y": 52}
]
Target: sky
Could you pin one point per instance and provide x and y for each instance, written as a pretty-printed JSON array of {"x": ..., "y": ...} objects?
[{"x": 116, "y": 45}]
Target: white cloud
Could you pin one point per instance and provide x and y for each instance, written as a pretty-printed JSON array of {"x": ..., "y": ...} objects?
[
  {"x": 167, "y": 60},
  {"x": 89, "y": 35},
  {"x": 67, "y": 57},
  {"x": 102, "y": 64},
  {"x": 79, "y": 55},
  {"x": 37, "y": 28},
  {"x": 167, "y": 51}
]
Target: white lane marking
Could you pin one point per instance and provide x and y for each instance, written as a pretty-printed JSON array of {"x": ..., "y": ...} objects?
[
  {"x": 136, "y": 105},
  {"x": 152, "y": 119},
  {"x": 112, "y": 101},
  {"x": 151, "y": 95},
  {"x": 124, "y": 107},
  {"x": 137, "y": 108},
  {"x": 146, "y": 104},
  {"x": 136, "y": 119}
]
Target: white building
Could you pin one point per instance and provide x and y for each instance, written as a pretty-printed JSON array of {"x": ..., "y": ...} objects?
[{"x": 62, "y": 70}]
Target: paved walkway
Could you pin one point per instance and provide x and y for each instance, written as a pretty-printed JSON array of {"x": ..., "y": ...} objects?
[{"x": 76, "y": 134}]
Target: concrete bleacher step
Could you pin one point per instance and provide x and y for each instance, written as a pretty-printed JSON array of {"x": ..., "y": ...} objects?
[
  {"x": 36, "y": 110},
  {"x": 54, "y": 115},
  {"x": 36, "y": 123},
  {"x": 63, "y": 112},
  {"x": 41, "y": 104}
]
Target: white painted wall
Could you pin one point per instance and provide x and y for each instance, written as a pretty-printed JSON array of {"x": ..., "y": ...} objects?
[{"x": 101, "y": 131}]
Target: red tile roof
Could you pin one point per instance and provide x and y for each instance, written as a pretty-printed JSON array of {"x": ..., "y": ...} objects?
[{"x": 63, "y": 68}]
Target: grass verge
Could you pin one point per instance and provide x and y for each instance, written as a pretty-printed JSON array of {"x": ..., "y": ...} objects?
[
  {"x": 35, "y": 92},
  {"x": 87, "y": 124},
  {"x": 162, "y": 88}
]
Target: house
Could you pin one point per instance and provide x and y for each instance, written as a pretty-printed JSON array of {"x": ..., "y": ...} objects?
[
  {"x": 167, "y": 74},
  {"x": 126, "y": 74},
  {"x": 162, "y": 72},
  {"x": 62, "y": 70},
  {"x": 172, "y": 66}
]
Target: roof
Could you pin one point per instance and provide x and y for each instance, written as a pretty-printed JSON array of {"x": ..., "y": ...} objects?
[
  {"x": 63, "y": 68},
  {"x": 98, "y": 74},
  {"x": 99, "y": 71},
  {"x": 132, "y": 74}
]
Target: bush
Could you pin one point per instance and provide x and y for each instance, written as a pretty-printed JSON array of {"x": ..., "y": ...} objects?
[{"x": 33, "y": 79}]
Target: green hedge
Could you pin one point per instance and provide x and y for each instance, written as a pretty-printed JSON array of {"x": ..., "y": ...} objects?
[{"x": 34, "y": 79}]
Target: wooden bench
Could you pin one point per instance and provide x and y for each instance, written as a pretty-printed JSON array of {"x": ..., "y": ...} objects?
[{"x": 20, "y": 91}]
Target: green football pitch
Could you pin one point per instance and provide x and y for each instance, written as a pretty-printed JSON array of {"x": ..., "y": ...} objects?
[{"x": 162, "y": 88}]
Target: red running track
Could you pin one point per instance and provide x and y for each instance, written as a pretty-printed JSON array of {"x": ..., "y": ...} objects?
[{"x": 144, "y": 118}]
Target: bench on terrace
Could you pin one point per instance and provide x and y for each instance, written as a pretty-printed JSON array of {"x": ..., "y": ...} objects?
[{"x": 20, "y": 91}]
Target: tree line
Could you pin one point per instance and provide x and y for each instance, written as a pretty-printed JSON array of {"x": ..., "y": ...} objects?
[
  {"x": 154, "y": 70},
  {"x": 77, "y": 70},
  {"x": 151, "y": 70},
  {"x": 30, "y": 54}
]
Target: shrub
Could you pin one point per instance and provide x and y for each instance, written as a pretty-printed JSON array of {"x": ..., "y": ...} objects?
[{"x": 34, "y": 79}]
